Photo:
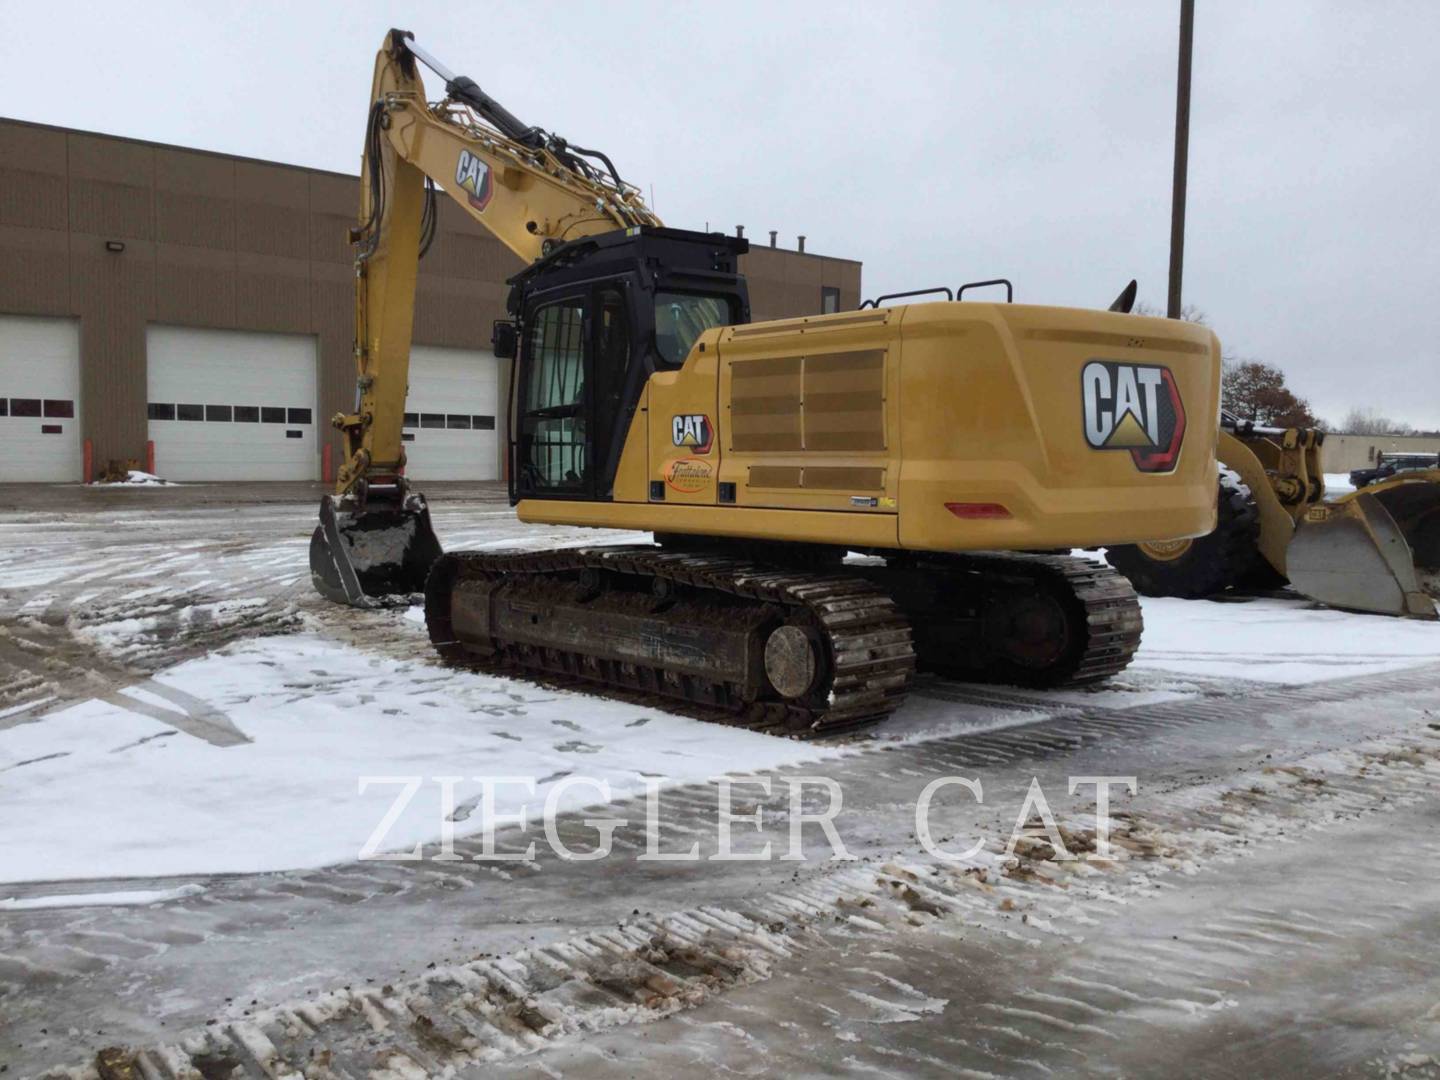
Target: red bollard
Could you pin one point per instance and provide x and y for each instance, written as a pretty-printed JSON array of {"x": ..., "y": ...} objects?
[{"x": 150, "y": 456}]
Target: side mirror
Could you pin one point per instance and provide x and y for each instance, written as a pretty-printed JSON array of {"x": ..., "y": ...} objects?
[{"x": 503, "y": 339}]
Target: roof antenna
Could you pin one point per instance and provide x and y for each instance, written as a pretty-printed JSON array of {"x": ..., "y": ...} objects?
[{"x": 1125, "y": 302}]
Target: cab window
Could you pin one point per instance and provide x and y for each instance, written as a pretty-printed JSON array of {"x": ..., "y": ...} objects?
[
  {"x": 553, "y": 421},
  {"x": 680, "y": 318}
]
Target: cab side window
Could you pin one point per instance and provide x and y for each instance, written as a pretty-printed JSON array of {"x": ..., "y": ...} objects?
[{"x": 553, "y": 420}]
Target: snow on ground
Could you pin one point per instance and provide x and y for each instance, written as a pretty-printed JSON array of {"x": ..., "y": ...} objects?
[
  {"x": 923, "y": 718},
  {"x": 136, "y": 478},
  {"x": 127, "y": 898},
  {"x": 99, "y": 790},
  {"x": 249, "y": 758},
  {"x": 115, "y": 788},
  {"x": 1276, "y": 641},
  {"x": 1337, "y": 483}
]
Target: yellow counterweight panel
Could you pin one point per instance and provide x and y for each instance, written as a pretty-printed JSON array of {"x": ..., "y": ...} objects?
[{"x": 995, "y": 405}]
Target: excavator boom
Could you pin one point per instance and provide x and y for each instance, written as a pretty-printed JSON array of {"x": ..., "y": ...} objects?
[{"x": 533, "y": 190}]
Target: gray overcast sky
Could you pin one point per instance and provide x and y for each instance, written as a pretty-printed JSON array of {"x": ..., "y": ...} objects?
[{"x": 938, "y": 143}]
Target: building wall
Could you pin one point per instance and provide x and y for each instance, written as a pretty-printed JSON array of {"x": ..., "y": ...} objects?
[
  {"x": 1341, "y": 453},
  {"x": 217, "y": 241}
]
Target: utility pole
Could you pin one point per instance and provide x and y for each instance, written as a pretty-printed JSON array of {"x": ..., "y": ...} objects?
[{"x": 1182, "y": 156}]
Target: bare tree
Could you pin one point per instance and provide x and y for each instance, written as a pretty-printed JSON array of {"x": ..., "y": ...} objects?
[
  {"x": 1369, "y": 421},
  {"x": 1188, "y": 313}
]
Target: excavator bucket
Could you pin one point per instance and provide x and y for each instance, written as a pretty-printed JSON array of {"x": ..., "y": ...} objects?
[
  {"x": 1375, "y": 550},
  {"x": 377, "y": 556}
]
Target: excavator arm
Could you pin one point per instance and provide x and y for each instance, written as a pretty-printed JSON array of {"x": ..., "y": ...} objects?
[{"x": 533, "y": 190}]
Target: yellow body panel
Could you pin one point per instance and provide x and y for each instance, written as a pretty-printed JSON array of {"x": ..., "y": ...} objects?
[
  {"x": 797, "y": 526},
  {"x": 858, "y": 428},
  {"x": 632, "y": 476},
  {"x": 810, "y": 412},
  {"x": 687, "y": 471}
]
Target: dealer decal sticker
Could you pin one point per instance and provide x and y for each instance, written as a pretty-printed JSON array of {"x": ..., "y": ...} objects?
[{"x": 688, "y": 475}]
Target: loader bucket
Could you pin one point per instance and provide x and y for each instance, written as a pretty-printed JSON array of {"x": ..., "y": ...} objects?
[
  {"x": 1376, "y": 550},
  {"x": 380, "y": 555}
]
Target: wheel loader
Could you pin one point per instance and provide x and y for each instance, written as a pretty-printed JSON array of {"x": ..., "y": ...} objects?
[
  {"x": 835, "y": 499},
  {"x": 1375, "y": 550}
]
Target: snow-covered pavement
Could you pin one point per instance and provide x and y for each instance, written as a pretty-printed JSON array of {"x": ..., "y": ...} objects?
[
  {"x": 250, "y": 757},
  {"x": 175, "y": 704},
  {"x": 147, "y": 800}
]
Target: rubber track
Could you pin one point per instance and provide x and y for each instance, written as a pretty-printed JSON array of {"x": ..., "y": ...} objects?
[{"x": 867, "y": 637}]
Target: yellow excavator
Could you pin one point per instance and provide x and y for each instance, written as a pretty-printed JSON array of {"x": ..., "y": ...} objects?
[
  {"x": 1376, "y": 550},
  {"x": 835, "y": 499}
]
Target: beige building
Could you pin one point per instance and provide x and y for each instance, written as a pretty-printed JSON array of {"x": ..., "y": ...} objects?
[
  {"x": 202, "y": 305},
  {"x": 1345, "y": 452}
]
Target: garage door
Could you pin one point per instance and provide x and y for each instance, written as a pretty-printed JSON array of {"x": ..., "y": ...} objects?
[
  {"x": 39, "y": 399},
  {"x": 450, "y": 415},
  {"x": 232, "y": 405}
]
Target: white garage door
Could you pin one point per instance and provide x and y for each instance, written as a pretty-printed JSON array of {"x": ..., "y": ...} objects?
[
  {"x": 232, "y": 405},
  {"x": 39, "y": 399},
  {"x": 450, "y": 415}
]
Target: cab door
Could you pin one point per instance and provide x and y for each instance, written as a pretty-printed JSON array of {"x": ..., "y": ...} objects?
[
  {"x": 579, "y": 388},
  {"x": 554, "y": 410}
]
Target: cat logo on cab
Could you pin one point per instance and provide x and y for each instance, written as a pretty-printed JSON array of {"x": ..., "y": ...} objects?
[
  {"x": 692, "y": 431},
  {"x": 1133, "y": 407}
]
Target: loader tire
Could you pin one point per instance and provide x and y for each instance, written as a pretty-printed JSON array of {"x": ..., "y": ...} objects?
[{"x": 1203, "y": 566}]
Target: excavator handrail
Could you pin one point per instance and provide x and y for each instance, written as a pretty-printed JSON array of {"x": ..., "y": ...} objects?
[
  {"x": 1009, "y": 288},
  {"x": 875, "y": 303}
]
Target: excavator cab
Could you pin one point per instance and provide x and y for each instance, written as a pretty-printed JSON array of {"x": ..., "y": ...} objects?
[
  {"x": 593, "y": 322},
  {"x": 590, "y": 323}
]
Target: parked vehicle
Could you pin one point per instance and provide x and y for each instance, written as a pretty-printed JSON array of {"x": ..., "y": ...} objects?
[{"x": 1387, "y": 465}]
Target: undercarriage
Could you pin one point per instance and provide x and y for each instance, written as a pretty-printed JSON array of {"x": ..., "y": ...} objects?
[{"x": 793, "y": 640}]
